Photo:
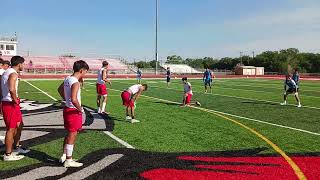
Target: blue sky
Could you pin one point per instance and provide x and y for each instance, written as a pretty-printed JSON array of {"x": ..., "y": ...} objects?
[{"x": 193, "y": 28}]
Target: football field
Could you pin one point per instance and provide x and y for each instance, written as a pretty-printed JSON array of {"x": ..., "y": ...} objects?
[{"x": 241, "y": 131}]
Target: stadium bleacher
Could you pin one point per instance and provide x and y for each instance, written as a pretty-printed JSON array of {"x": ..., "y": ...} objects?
[
  {"x": 181, "y": 69},
  {"x": 66, "y": 63}
]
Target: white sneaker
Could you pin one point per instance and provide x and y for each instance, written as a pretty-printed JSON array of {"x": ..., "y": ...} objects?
[
  {"x": 283, "y": 104},
  {"x": 198, "y": 103},
  {"x": 21, "y": 150},
  {"x": 134, "y": 121},
  {"x": 12, "y": 157},
  {"x": 71, "y": 163},
  {"x": 299, "y": 106},
  {"x": 128, "y": 118},
  {"x": 63, "y": 158}
]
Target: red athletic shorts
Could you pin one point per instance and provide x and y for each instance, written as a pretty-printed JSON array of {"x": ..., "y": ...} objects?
[
  {"x": 11, "y": 114},
  {"x": 126, "y": 99},
  {"x": 72, "y": 119},
  {"x": 188, "y": 99},
  {"x": 101, "y": 89}
]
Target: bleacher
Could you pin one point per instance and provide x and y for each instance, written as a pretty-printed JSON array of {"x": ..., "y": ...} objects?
[
  {"x": 181, "y": 69},
  {"x": 53, "y": 64}
]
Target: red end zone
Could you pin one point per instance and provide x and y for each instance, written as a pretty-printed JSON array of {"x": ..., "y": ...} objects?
[{"x": 249, "y": 168}]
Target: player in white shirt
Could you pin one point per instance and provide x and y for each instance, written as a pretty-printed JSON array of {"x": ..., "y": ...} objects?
[
  {"x": 129, "y": 98},
  {"x": 187, "y": 96},
  {"x": 4, "y": 65},
  {"x": 11, "y": 110},
  {"x": 70, "y": 91},
  {"x": 102, "y": 88}
]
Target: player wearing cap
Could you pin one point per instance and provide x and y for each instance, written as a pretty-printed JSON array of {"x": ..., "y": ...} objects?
[
  {"x": 102, "y": 88},
  {"x": 70, "y": 91}
]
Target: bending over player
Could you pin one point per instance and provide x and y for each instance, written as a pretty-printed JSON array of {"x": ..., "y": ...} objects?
[
  {"x": 102, "y": 88},
  {"x": 70, "y": 91},
  {"x": 187, "y": 96},
  {"x": 129, "y": 98},
  {"x": 11, "y": 110},
  {"x": 291, "y": 87}
]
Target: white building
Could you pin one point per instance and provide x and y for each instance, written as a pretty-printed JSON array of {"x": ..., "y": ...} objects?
[{"x": 8, "y": 46}]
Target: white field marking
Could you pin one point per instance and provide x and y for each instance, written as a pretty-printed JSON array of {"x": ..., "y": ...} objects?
[
  {"x": 40, "y": 173},
  {"x": 122, "y": 142},
  {"x": 94, "y": 168},
  {"x": 232, "y": 115},
  {"x": 237, "y": 97},
  {"x": 41, "y": 90}
]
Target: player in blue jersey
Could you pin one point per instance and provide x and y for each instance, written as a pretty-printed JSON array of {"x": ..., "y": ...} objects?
[
  {"x": 139, "y": 75},
  {"x": 296, "y": 77},
  {"x": 291, "y": 87},
  {"x": 208, "y": 80}
]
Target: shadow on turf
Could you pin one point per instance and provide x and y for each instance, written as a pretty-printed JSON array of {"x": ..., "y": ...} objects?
[
  {"x": 167, "y": 103},
  {"x": 260, "y": 103}
]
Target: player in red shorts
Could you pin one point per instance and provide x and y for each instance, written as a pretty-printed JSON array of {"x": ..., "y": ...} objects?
[
  {"x": 129, "y": 98},
  {"x": 70, "y": 91},
  {"x": 187, "y": 96},
  {"x": 102, "y": 88},
  {"x": 11, "y": 110}
]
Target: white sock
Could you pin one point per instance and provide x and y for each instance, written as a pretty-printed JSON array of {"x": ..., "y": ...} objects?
[
  {"x": 103, "y": 109},
  {"x": 99, "y": 110},
  {"x": 69, "y": 149}
]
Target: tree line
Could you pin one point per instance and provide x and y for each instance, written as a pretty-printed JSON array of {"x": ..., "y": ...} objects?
[{"x": 272, "y": 61}]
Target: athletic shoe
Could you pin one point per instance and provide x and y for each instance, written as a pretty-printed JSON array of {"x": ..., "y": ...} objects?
[
  {"x": 12, "y": 157},
  {"x": 283, "y": 104},
  {"x": 21, "y": 150},
  {"x": 128, "y": 118},
  {"x": 63, "y": 158},
  {"x": 71, "y": 163},
  {"x": 198, "y": 103},
  {"x": 134, "y": 121},
  {"x": 299, "y": 106}
]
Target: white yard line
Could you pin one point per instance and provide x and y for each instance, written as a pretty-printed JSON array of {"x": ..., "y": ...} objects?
[
  {"x": 41, "y": 90},
  {"x": 122, "y": 142}
]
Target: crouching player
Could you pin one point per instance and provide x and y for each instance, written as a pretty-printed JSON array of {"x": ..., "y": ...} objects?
[
  {"x": 70, "y": 91},
  {"x": 187, "y": 96},
  {"x": 291, "y": 87},
  {"x": 129, "y": 98},
  {"x": 11, "y": 110}
]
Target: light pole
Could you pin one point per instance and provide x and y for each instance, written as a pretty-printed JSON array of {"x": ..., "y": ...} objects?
[{"x": 156, "y": 53}]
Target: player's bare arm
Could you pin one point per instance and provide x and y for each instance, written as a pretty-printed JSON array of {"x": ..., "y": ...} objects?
[
  {"x": 104, "y": 76},
  {"x": 12, "y": 87},
  {"x": 74, "y": 99},
  {"x": 61, "y": 91}
]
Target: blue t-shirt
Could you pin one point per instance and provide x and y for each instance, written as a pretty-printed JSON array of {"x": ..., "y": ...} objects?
[
  {"x": 139, "y": 73},
  {"x": 291, "y": 84},
  {"x": 296, "y": 77},
  {"x": 207, "y": 75}
]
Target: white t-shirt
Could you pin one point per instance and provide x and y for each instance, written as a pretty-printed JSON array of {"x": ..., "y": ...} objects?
[
  {"x": 100, "y": 76},
  {"x": 187, "y": 88},
  {"x": 6, "y": 96},
  {"x": 135, "y": 88},
  {"x": 68, "y": 82},
  {"x": 1, "y": 72}
]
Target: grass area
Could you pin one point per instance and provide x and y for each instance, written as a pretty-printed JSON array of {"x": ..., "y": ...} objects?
[
  {"x": 168, "y": 128},
  {"x": 86, "y": 143}
]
